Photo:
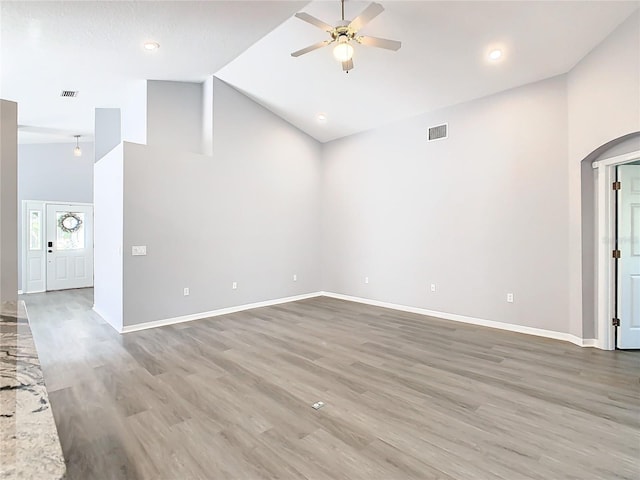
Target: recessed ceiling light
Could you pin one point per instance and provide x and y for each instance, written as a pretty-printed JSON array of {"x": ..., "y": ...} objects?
[
  {"x": 151, "y": 45},
  {"x": 495, "y": 54},
  {"x": 322, "y": 117}
]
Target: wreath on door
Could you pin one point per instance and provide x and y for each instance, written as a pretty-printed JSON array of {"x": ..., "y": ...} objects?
[{"x": 69, "y": 222}]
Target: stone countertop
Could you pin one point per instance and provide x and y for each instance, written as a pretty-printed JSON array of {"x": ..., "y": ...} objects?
[{"x": 29, "y": 443}]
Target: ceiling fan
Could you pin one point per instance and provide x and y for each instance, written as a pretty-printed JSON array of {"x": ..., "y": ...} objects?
[{"x": 346, "y": 32}]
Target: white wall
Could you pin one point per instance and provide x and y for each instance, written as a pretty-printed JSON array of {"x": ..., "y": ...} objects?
[
  {"x": 51, "y": 172},
  {"x": 134, "y": 113},
  {"x": 207, "y": 116},
  {"x": 108, "y": 229},
  {"x": 249, "y": 214},
  {"x": 174, "y": 115},
  {"x": 8, "y": 201},
  {"x": 603, "y": 105},
  {"x": 480, "y": 214}
]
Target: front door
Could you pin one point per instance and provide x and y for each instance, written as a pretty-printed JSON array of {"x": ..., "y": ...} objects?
[
  {"x": 629, "y": 262},
  {"x": 69, "y": 246}
]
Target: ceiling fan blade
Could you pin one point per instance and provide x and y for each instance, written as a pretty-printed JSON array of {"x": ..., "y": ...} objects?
[
  {"x": 314, "y": 21},
  {"x": 368, "y": 14},
  {"x": 348, "y": 65},
  {"x": 311, "y": 48},
  {"x": 380, "y": 43}
]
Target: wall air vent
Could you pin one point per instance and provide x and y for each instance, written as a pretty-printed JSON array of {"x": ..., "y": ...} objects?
[
  {"x": 438, "y": 132},
  {"x": 69, "y": 93}
]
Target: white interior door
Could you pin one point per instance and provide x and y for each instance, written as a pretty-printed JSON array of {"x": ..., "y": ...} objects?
[
  {"x": 629, "y": 262},
  {"x": 69, "y": 246}
]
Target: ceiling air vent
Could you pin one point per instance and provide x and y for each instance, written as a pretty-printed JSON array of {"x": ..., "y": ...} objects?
[
  {"x": 438, "y": 132},
  {"x": 69, "y": 93}
]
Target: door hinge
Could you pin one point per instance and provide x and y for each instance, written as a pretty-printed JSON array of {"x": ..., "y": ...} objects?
[
  {"x": 616, "y": 254},
  {"x": 617, "y": 186},
  {"x": 615, "y": 322}
]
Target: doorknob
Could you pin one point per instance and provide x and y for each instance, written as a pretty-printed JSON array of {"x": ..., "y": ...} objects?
[{"x": 50, "y": 251}]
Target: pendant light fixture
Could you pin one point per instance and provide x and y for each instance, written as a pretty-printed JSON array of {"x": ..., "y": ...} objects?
[{"x": 77, "y": 152}]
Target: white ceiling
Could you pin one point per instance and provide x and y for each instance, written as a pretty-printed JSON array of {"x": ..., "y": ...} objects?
[{"x": 96, "y": 48}]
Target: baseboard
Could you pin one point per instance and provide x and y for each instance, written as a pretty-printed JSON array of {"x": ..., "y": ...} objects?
[
  {"x": 215, "y": 313},
  {"x": 585, "y": 342},
  {"x": 20, "y": 292},
  {"x": 511, "y": 327}
]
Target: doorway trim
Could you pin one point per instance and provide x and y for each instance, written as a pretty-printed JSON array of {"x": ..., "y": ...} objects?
[
  {"x": 605, "y": 232},
  {"x": 25, "y": 237}
]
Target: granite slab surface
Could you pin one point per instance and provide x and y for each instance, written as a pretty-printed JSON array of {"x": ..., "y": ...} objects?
[{"x": 29, "y": 443}]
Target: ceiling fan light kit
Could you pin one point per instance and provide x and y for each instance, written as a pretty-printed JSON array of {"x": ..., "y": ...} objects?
[
  {"x": 343, "y": 51},
  {"x": 345, "y": 33}
]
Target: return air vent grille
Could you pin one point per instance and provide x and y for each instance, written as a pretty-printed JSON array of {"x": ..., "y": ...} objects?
[
  {"x": 69, "y": 93},
  {"x": 438, "y": 132}
]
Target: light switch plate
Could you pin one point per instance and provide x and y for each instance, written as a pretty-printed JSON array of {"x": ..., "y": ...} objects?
[{"x": 139, "y": 250}]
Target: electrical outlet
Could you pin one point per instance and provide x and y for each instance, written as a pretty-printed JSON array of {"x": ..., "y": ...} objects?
[
  {"x": 295, "y": 277},
  {"x": 510, "y": 297},
  {"x": 139, "y": 250},
  {"x": 433, "y": 287},
  {"x": 234, "y": 285},
  {"x": 186, "y": 291},
  {"x": 366, "y": 279}
]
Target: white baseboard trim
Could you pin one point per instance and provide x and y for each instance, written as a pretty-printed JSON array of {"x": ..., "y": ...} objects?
[
  {"x": 511, "y": 327},
  {"x": 585, "y": 342},
  {"x": 215, "y": 313},
  {"x": 20, "y": 292}
]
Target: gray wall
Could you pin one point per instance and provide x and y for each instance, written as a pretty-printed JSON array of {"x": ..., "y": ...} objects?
[
  {"x": 174, "y": 115},
  {"x": 108, "y": 131},
  {"x": 603, "y": 96},
  {"x": 8, "y": 201},
  {"x": 480, "y": 214},
  {"x": 249, "y": 214},
  {"x": 51, "y": 172},
  {"x": 494, "y": 209},
  {"x": 601, "y": 104}
]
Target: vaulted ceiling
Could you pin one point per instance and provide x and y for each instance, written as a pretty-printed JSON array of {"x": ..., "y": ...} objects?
[{"x": 97, "y": 48}]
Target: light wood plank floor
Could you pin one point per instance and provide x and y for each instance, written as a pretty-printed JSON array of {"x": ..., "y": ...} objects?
[{"x": 407, "y": 397}]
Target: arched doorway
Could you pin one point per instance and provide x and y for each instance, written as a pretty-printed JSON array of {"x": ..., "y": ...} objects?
[{"x": 599, "y": 235}]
